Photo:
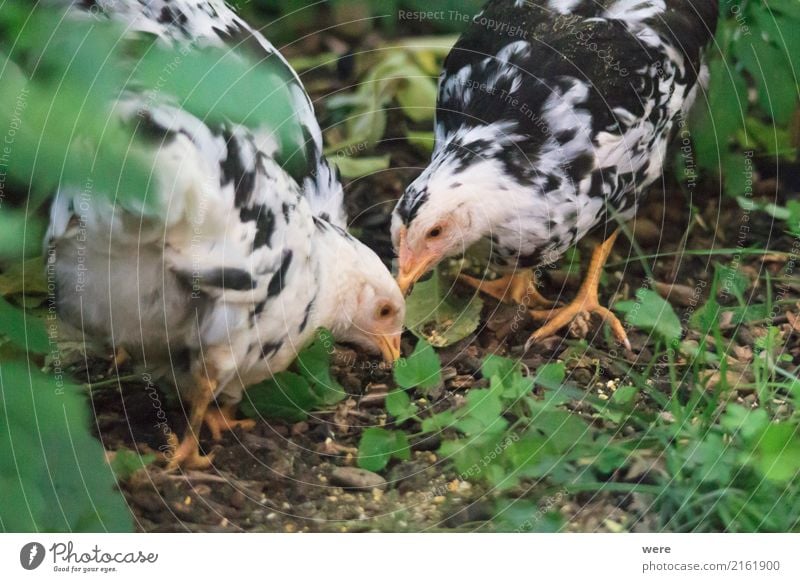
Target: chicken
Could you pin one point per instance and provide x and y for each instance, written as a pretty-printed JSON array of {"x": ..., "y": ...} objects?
[
  {"x": 553, "y": 118},
  {"x": 239, "y": 265}
]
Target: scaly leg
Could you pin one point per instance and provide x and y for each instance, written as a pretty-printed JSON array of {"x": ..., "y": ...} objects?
[
  {"x": 587, "y": 301},
  {"x": 186, "y": 453},
  {"x": 223, "y": 418},
  {"x": 517, "y": 288}
]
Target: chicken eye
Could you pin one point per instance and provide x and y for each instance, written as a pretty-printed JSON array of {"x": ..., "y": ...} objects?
[
  {"x": 385, "y": 311},
  {"x": 435, "y": 232}
]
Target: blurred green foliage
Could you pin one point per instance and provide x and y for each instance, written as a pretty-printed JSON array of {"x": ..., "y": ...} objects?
[
  {"x": 59, "y": 83},
  {"x": 285, "y": 18},
  {"x": 53, "y": 476},
  {"x": 752, "y": 100}
]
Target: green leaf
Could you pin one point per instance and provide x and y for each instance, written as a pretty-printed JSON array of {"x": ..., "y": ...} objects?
[
  {"x": 53, "y": 472},
  {"x": 652, "y": 313},
  {"x": 707, "y": 460},
  {"x": 522, "y": 516},
  {"x": 314, "y": 364},
  {"x": 220, "y": 85},
  {"x": 495, "y": 366},
  {"x": 422, "y": 369},
  {"x": 620, "y": 404},
  {"x": 25, "y": 330},
  {"x": 737, "y": 179},
  {"x": 422, "y": 140},
  {"x": 21, "y": 235},
  {"x": 750, "y": 424},
  {"x": 506, "y": 377},
  {"x": 287, "y": 396},
  {"x": 771, "y": 68},
  {"x": 378, "y": 446},
  {"x": 482, "y": 413},
  {"x": 69, "y": 73},
  {"x": 770, "y": 140},
  {"x": 24, "y": 276},
  {"x": 126, "y": 462},
  {"x": 551, "y": 375},
  {"x": 563, "y": 430},
  {"x": 399, "y": 405},
  {"x": 352, "y": 168},
  {"x": 777, "y": 455},
  {"x": 439, "y": 317},
  {"x": 625, "y": 396},
  {"x": 291, "y": 396},
  {"x": 718, "y": 119},
  {"x": 748, "y": 313},
  {"x": 418, "y": 97},
  {"x": 790, "y": 8},
  {"x": 732, "y": 282},
  {"x": 439, "y": 422},
  {"x": 517, "y": 388}
]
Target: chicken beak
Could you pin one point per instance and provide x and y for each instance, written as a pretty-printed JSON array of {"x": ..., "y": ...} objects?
[
  {"x": 390, "y": 347},
  {"x": 412, "y": 267}
]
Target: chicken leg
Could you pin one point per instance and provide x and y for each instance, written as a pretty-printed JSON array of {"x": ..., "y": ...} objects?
[
  {"x": 587, "y": 301},
  {"x": 517, "y": 288},
  {"x": 186, "y": 453},
  {"x": 223, "y": 418}
]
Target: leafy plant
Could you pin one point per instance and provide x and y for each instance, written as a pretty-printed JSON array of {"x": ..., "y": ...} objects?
[
  {"x": 404, "y": 78},
  {"x": 292, "y": 395},
  {"x": 733, "y": 472},
  {"x": 61, "y": 80},
  {"x": 290, "y": 16},
  {"x": 125, "y": 463},
  {"x": 755, "y": 50},
  {"x": 52, "y": 470},
  {"x": 396, "y": 77},
  {"x": 378, "y": 446},
  {"x": 438, "y": 316},
  {"x": 651, "y": 313},
  {"x": 420, "y": 370}
]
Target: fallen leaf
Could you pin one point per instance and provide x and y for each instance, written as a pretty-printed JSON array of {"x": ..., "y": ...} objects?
[{"x": 439, "y": 317}]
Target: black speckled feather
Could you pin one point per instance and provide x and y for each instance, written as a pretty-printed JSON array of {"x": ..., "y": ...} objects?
[{"x": 560, "y": 111}]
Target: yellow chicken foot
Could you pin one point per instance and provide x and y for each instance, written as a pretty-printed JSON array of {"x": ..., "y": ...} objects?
[
  {"x": 223, "y": 418},
  {"x": 517, "y": 288},
  {"x": 587, "y": 301}
]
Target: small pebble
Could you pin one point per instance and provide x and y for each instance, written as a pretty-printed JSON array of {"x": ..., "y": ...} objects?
[
  {"x": 238, "y": 499},
  {"x": 354, "y": 478}
]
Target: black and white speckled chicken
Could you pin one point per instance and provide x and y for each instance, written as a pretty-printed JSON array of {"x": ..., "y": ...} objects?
[
  {"x": 243, "y": 261},
  {"x": 553, "y": 118}
]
